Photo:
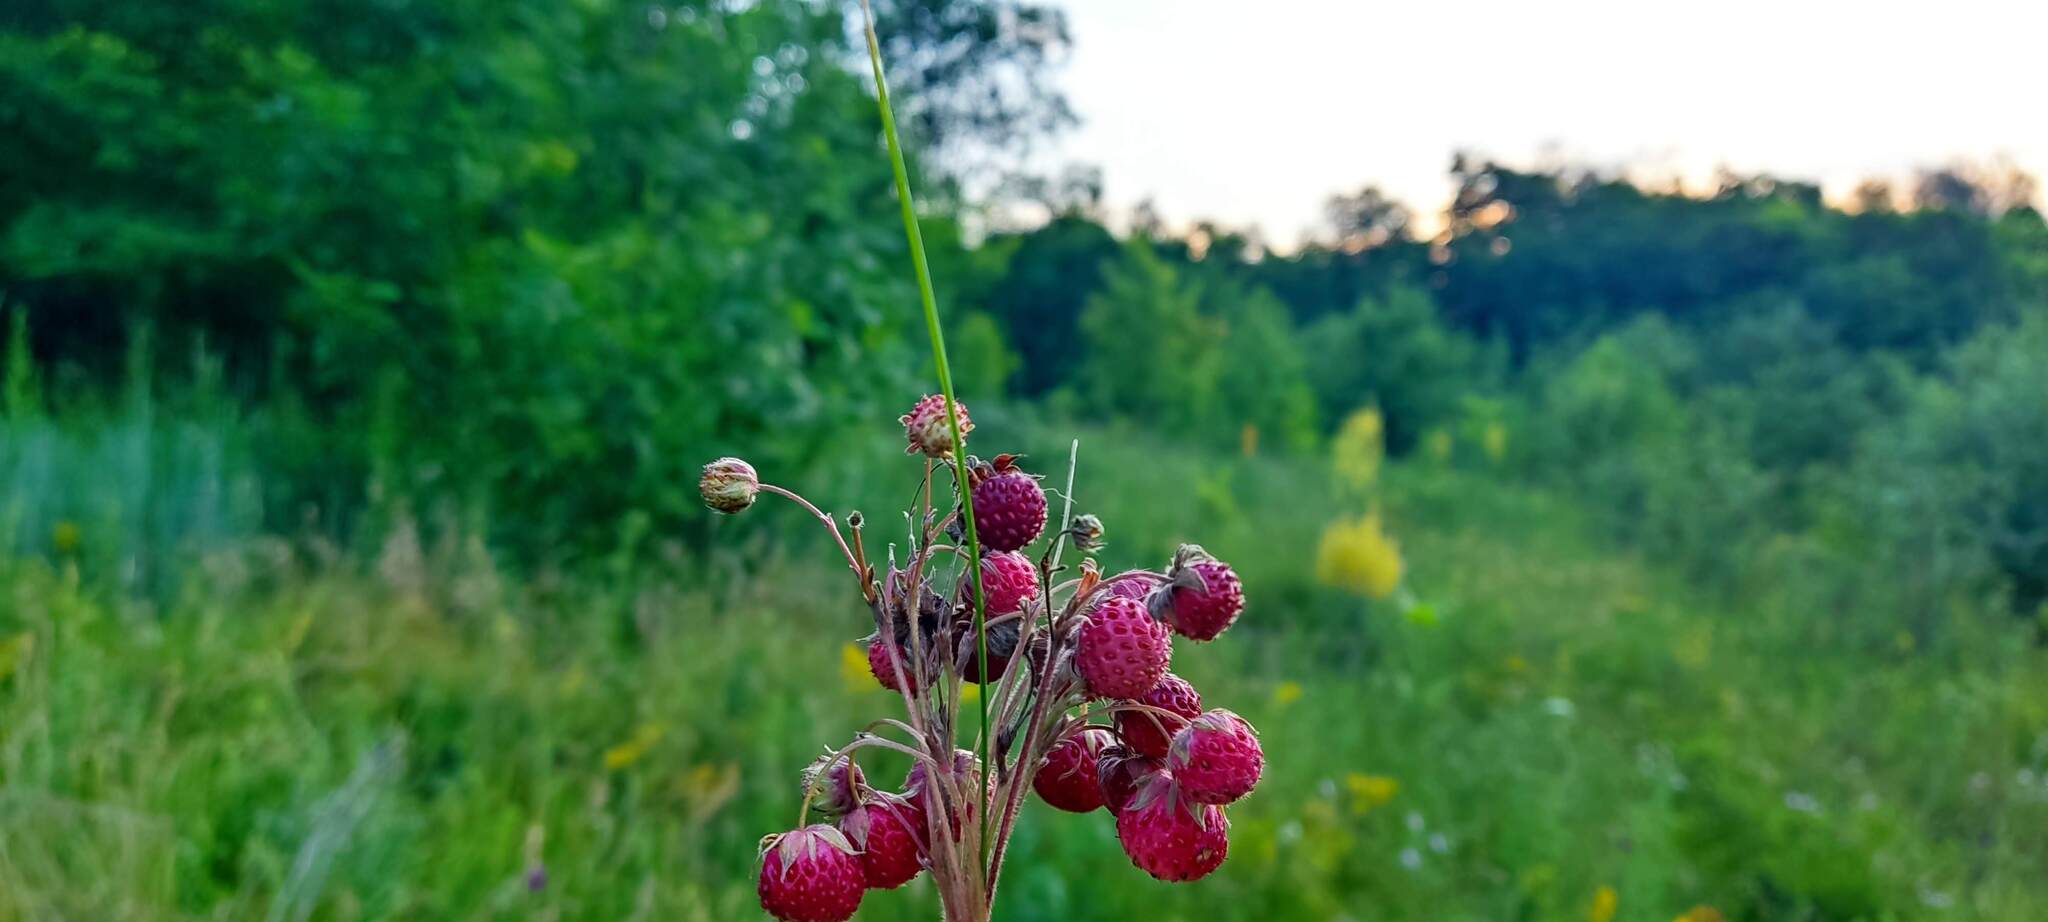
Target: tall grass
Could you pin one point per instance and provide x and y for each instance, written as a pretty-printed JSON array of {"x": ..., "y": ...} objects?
[
  {"x": 131, "y": 488},
  {"x": 417, "y": 736}
]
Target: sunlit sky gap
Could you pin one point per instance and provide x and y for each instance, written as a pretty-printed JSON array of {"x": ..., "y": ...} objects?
[{"x": 1255, "y": 113}]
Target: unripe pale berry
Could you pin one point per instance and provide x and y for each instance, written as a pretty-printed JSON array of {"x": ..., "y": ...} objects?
[
  {"x": 729, "y": 485},
  {"x": 929, "y": 432},
  {"x": 835, "y": 785}
]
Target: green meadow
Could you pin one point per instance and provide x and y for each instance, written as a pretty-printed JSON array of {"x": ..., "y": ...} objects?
[{"x": 297, "y": 731}]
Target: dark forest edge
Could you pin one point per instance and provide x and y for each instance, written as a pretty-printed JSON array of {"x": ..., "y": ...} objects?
[{"x": 531, "y": 267}]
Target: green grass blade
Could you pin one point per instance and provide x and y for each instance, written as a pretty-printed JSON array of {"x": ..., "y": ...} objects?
[{"x": 931, "y": 320}]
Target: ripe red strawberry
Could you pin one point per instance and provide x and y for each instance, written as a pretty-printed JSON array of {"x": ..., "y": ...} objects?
[
  {"x": 1122, "y": 771},
  {"x": 1217, "y": 758},
  {"x": 1169, "y": 836},
  {"x": 810, "y": 875},
  {"x": 1070, "y": 780},
  {"x": 1203, "y": 613},
  {"x": 1123, "y": 650},
  {"x": 1148, "y": 733},
  {"x": 928, "y": 430},
  {"x": 885, "y": 671},
  {"x": 966, "y": 784},
  {"x": 1008, "y": 579},
  {"x": 1009, "y": 506},
  {"x": 882, "y": 830}
]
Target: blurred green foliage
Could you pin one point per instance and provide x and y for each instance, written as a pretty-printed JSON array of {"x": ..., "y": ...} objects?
[
  {"x": 1957, "y": 482},
  {"x": 548, "y": 255},
  {"x": 1708, "y": 370},
  {"x": 1194, "y": 357},
  {"x": 1419, "y": 368}
]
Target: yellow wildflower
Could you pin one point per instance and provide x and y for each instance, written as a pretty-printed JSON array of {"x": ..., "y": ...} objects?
[
  {"x": 553, "y": 157},
  {"x": 1605, "y": 901},
  {"x": 1370, "y": 791},
  {"x": 65, "y": 537},
  {"x": 1494, "y": 441},
  {"x": 970, "y": 693},
  {"x": 1694, "y": 648},
  {"x": 1700, "y": 914},
  {"x": 1359, "y": 556},
  {"x": 1438, "y": 444},
  {"x": 1359, "y": 447},
  {"x": 295, "y": 633},
  {"x": 853, "y": 668},
  {"x": 1286, "y": 693},
  {"x": 1318, "y": 813},
  {"x": 634, "y": 748},
  {"x": 708, "y": 787},
  {"x": 14, "y": 651}
]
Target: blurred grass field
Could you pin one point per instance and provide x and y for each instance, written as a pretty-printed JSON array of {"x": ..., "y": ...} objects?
[{"x": 1565, "y": 731}]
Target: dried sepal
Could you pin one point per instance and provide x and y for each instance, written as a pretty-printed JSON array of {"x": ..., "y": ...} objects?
[
  {"x": 835, "y": 784},
  {"x": 1086, "y": 533}
]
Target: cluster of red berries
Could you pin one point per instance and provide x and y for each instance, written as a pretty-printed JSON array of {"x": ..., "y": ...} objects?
[
  {"x": 1164, "y": 768},
  {"x": 877, "y": 842},
  {"x": 1107, "y": 725}
]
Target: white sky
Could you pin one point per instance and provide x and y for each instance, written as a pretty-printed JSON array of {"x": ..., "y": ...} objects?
[{"x": 1255, "y": 111}]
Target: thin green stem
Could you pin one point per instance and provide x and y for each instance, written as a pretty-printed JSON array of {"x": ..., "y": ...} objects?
[
  {"x": 931, "y": 321},
  {"x": 1066, "y": 510}
]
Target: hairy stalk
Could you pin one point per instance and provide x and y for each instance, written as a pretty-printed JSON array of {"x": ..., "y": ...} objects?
[
  {"x": 1017, "y": 683},
  {"x": 1027, "y": 760},
  {"x": 1034, "y": 749},
  {"x": 913, "y": 583},
  {"x": 831, "y": 525},
  {"x": 945, "y": 372},
  {"x": 1066, "y": 510},
  {"x": 930, "y": 702},
  {"x": 845, "y": 753}
]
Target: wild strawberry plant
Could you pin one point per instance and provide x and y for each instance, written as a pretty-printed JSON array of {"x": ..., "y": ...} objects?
[
  {"x": 1075, "y": 698},
  {"x": 1076, "y": 701}
]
